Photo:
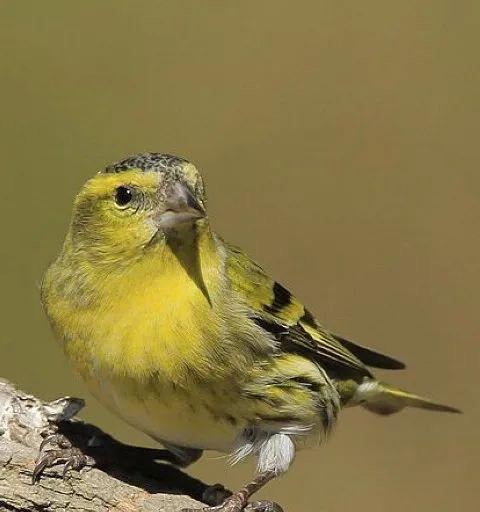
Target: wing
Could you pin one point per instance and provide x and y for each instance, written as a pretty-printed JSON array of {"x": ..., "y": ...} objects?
[{"x": 276, "y": 310}]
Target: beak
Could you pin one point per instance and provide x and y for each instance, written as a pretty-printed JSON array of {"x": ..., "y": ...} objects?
[{"x": 181, "y": 207}]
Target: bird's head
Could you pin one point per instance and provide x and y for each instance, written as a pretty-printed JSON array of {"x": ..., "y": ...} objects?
[{"x": 135, "y": 203}]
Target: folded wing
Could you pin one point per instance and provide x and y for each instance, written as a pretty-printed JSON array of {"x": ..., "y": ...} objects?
[{"x": 277, "y": 311}]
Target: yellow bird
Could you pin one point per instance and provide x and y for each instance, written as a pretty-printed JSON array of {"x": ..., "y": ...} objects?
[{"x": 187, "y": 339}]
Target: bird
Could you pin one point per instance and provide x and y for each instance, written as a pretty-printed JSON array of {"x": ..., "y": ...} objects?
[{"x": 186, "y": 338}]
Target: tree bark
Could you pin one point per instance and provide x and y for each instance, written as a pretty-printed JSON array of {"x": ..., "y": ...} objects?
[{"x": 25, "y": 421}]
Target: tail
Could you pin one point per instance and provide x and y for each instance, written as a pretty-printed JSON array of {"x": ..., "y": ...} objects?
[{"x": 384, "y": 399}]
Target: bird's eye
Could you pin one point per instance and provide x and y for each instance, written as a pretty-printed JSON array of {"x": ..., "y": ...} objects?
[{"x": 123, "y": 195}]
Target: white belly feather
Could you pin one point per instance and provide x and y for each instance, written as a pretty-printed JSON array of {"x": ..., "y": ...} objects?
[{"x": 169, "y": 419}]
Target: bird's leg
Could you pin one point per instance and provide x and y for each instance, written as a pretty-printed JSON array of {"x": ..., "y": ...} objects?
[
  {"x": 63, "y": 451},
  {"x": 238, "y": 501},
  {"x": 98, "y": 449},
  {"x": 78, "y": 445}
]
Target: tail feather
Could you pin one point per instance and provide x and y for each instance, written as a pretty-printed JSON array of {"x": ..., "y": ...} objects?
[{"x": 384, "y": 399}]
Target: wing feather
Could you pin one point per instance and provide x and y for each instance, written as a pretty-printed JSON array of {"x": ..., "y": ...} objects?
[{"x": 280, "y": 313}]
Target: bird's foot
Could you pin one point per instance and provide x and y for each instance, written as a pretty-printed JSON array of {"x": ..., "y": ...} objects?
[
  {"x": 56, "y": 449},
  {"x": 78, "y": 445},
  {"x": 237, "y": 503},
  {"x": 263, "y": 506}
]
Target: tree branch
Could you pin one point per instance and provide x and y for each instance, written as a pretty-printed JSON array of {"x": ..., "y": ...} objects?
[{"x": 25, "y": 421}]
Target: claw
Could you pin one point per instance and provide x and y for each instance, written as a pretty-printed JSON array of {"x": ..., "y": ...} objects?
[
  {"x": 263, "y": 506},
  {"x": 55, "y": 440},
  {"x": 40, "y": 466},
  {"x": 73, "y": 457},
  {"x": 75, "y": 462},
  {"x": 236, "y": 505},
  {"x": 233, "y": 503}
]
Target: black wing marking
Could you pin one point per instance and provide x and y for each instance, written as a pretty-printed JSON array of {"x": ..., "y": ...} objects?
[{"x": 371, "y": 357}]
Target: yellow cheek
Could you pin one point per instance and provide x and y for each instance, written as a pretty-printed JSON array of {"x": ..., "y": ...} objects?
[{"x": 125, "y": 234}]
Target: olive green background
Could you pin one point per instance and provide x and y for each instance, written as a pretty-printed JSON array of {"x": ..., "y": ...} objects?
[{"x": 340, "y": 145}]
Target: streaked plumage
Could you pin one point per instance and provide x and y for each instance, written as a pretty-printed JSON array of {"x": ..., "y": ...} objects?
[{"x": 188, "y": 339}]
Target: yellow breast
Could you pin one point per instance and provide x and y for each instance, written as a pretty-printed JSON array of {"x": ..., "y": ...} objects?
[
  {"x": 145, "y": 339},
  {"x": 153, "y": 318}
]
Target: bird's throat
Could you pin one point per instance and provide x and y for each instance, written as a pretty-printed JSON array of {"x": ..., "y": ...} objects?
[{"x": 192, "y": 247}]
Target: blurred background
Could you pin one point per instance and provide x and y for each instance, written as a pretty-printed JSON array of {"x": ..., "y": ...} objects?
[{"x": 339, "y": 142}]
